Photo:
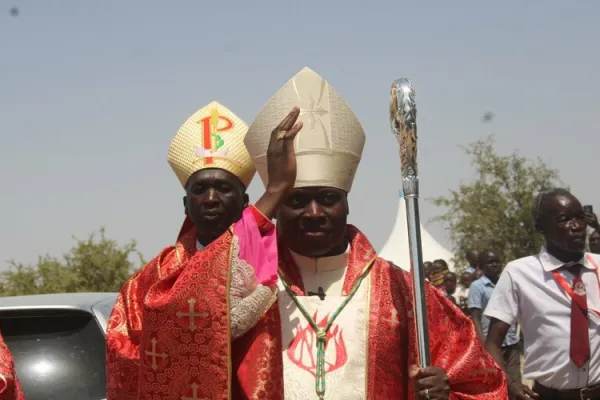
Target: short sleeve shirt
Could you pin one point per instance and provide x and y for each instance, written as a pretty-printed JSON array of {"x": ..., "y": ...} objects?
[
  {"x": 528, "y": 293},
  {"x": 479, "y": 296}
]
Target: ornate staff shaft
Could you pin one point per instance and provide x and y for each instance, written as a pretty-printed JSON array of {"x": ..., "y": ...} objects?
[{"x": 403, "y": 121}]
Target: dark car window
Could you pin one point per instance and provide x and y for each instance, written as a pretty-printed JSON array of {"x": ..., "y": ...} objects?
[{"x": 59, "y": 354}]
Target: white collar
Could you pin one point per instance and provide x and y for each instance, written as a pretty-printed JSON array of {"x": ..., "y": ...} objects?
[
  {"x": 322, "y": 264},
  {"x": 199, "y": 246},
  {"x": 551, "y": 263}
]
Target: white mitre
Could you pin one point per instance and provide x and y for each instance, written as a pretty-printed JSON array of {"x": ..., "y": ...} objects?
[{"x": 329, "y": 146}]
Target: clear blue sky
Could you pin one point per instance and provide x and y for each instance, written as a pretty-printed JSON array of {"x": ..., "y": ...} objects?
[{"x": 92, "y": 92}]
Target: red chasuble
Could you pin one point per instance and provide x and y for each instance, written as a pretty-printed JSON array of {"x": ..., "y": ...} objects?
[
  {"x": 169, "y": 333},
  {"x": 9, "y": 384},
  {"x": 454, "y": 343}
]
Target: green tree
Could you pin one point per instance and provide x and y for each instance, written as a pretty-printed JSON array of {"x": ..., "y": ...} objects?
[
  {"x": 97, "y": 264},
  {"x": 495, "y": 210}
]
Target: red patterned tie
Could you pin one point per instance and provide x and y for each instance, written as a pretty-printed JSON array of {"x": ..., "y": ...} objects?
[{"x": 580, "y": 338}]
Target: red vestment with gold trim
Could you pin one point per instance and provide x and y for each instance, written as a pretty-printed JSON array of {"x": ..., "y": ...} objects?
[
  {"x": 454, "y": 343},
  {"x": 10, "y": 389},
  {"x": 169, "y": 336}
]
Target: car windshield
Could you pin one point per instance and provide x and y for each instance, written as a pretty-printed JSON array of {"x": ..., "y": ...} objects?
[{"x": 59, "y": 354}]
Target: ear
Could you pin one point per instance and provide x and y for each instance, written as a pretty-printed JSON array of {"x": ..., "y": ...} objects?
[
  {"x": 537, "y": 224},
  {"x": 539, "y": 227},
  {"x": 246, "y": 200},
  {"x": 185, "y": 208},
  {"x": 347, "y": 205}
]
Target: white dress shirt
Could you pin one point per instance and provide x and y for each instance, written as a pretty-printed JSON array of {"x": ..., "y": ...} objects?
[{"x": 527, "y": 293}]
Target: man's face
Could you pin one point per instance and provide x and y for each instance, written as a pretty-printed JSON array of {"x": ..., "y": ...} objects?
[
  {"x": 312, "y": 220},
  {"x": 466, "y": 278},
  {"x": 491, "y": 265},
  {"x": 427, "y": 267},
  {"x": 564, "y": 226},
  {"x": 214, "y": 200},
  {"x": 438, "y": 267},
  {"x": 450, "y": 283},
  {"x": 595, "y": 242}
]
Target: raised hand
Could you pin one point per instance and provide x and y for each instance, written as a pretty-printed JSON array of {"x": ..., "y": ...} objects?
[
  {"x": 281, "y": 163},
  {"x": 281, "y": 160}
]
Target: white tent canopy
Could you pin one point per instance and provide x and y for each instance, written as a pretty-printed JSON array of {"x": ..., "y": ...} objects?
[{"x": 396, "y": 249}]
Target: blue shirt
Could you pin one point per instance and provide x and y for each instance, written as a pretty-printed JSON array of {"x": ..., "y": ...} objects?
[{"x": 480, "y": 292}]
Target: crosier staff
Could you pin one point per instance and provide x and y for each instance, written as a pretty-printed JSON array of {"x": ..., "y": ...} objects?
[{"x": 403, "y": 121}]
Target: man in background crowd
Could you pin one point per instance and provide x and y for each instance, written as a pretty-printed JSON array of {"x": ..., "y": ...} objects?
[
  {"x": 472, "y": 257},
  {"x": 450, "y": 281},
  {"x": 479, "y": 296},
  {"x": 439, "y": 269},
  {"x": 462, "y": 291},
  {"x": 427, "y": 266},
  {"x": 593, "y": 234},
  {"x": 556, "y": 299}
]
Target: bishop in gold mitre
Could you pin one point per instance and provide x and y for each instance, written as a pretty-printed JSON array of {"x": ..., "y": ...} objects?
[
  {"x": 343, "y": 327},
  {"x": 170, "y": 333}
]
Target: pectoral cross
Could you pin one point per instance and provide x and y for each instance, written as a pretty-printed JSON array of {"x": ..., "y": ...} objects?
[{"x": 320, "y": 293}]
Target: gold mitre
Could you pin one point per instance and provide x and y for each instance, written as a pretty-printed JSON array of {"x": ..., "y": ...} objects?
[
  {"x": 213, "y": 137},
  {"x": 329, "y": 146}
]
